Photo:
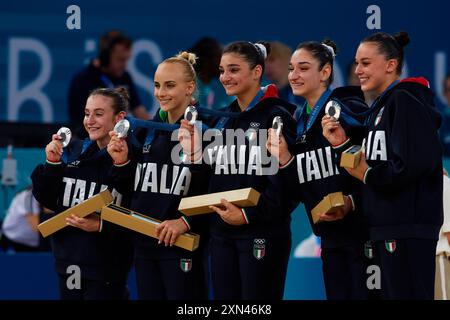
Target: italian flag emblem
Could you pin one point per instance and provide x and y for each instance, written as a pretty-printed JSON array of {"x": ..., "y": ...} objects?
[
  {"x": 259, "y": 248},
  {"x": 390, "y": 245},
  {"x": 186, "y": 265},
  {"x": 368, "y": 250},
  {"x": 379, "y": 115}
]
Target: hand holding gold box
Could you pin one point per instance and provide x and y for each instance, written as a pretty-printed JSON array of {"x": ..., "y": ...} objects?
[
  {"x": 329, "y": 204},
  {"x": 350, "y": 157},
  {"x": 143, "y": 224},
  {"x": 81, "y": 210},
  {"x": 247, "y": 197}
]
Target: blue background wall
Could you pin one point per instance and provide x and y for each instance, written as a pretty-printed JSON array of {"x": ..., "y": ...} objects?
[{"x": 162, "y": 28}]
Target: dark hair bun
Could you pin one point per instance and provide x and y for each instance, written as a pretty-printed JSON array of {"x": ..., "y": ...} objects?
[
  {"x": 402, "y": 38},
  {"x": 123, "y": 92},
  {"x": 332, "y": 44},
  {"x": 267, "y": 45}
]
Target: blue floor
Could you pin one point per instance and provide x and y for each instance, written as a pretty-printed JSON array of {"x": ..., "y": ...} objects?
[{"x": 31, "y": 276}]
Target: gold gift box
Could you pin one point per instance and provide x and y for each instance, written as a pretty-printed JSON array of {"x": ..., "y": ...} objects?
[
  {"x": 329, "y": 204},
  {"x": 190, "y": 206},
  {"x": 81, "y": 210},
  {"x": 350, "y": 157},
  {"x": 143, "y": 224}
]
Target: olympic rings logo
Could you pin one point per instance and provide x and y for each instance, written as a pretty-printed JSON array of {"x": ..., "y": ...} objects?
[{"x": 259, "y": 241}]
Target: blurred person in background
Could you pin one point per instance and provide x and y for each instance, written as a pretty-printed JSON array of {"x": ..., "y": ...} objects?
[
  {"x": 210, "y": 91},
  {"x": 19, "y": 230},
  {"x": 277, "y": 71},
  {"x": 108, "y": 70},
  {"x": 445, "y": 128},
  {"x": 353, "y": 80},
  {"x": 442, "y": 280}
]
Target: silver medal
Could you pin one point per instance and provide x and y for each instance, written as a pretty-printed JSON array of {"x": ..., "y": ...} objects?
[
  {"x": 65, "y": 134},
  {"x": 191, "y": 114},
  {"x": 333, "y": 109},
  {"x": 277, "y": 125},
  {"x": 121, "y": 128}
]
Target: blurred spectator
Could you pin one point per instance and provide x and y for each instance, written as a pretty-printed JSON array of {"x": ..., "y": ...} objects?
[
  {"x": 353, "y": 80},
  {"x": 19, "y": 230},
  {"x": 277, "y": 70},
  {"x": 442, "y": 280},
  {"x": 445, "y": 127},
  {"x": 308, "y": 248},
  {"x": 210, "y": 91},
  {"x": 108, "y": 70}
]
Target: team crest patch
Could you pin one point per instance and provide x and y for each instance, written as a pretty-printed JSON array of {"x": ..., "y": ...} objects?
[
  {"x": 186, "y": 265},
  {"x": 259, "y": 248},
  {"x": 368, "y": 250},
  {"x": 390, "y": 245},
  {"x": 379, "y": 115},
  {"x": 250, "y": 134}
]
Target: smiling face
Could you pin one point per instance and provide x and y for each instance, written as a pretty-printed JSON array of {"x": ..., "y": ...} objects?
[
  {"x": 172, "y": 90},
  {"x": 305, "y": 77},
  {"x": 373, "y": 70},
  {"x": 99, "y": 118},
  {"x": 236, "y": 76}
]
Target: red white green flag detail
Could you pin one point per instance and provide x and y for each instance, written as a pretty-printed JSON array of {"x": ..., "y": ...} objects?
[
  {"x": 368, "y": 250},
  {"x": 186, "y": 264},
  {"x": 390, "y": 245},
  {"x": 379, "y": 115}
]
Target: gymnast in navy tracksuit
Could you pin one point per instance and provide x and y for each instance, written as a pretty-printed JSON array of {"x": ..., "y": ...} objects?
[
  {"x": 164, "y": 271},
  {"x": 313, "y": 172},
  {"x": 249, "y": 246},
  {"x": 101, "y": 251},
  {"x": 401, "y": 169}
]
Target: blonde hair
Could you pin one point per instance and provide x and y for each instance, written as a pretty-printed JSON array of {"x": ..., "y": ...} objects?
[{"x": 187, "y": 60}]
